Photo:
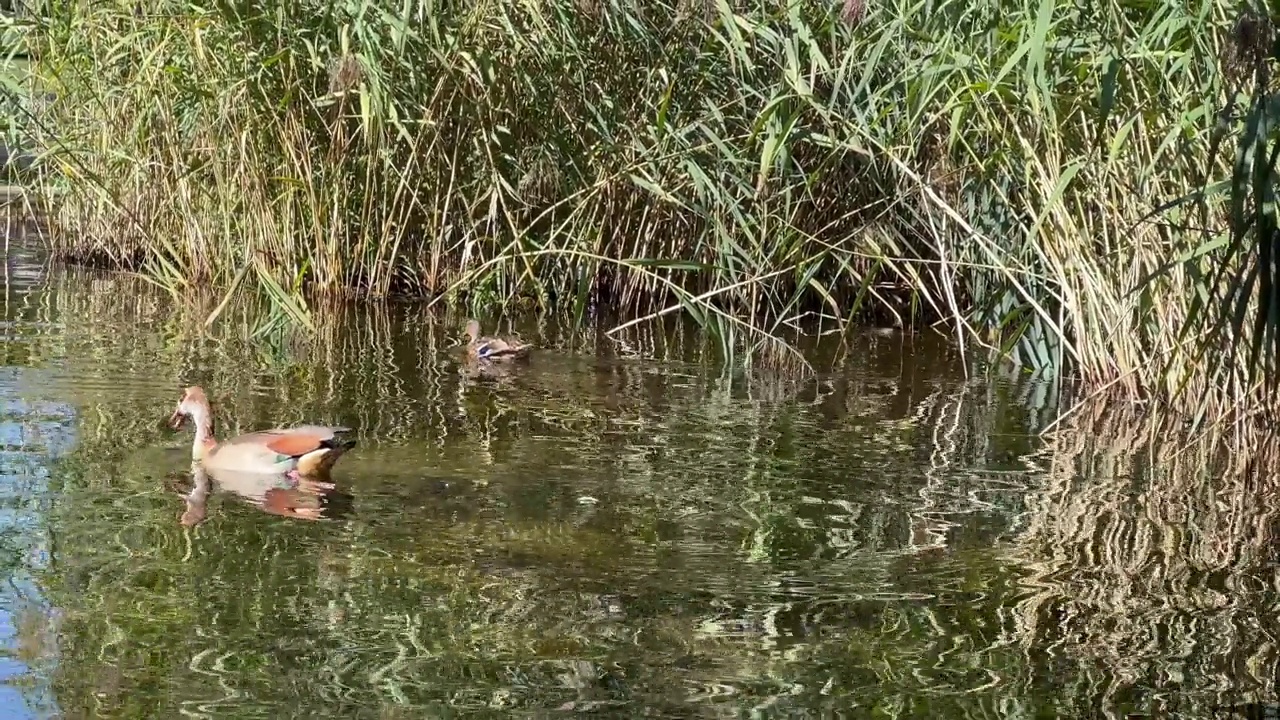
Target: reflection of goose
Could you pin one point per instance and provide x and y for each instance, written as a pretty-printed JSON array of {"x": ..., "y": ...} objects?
[
  {"x": 196, "y": 508},
  {"x": 303, "y": 450},
  {"x": 276, "y": 493}
]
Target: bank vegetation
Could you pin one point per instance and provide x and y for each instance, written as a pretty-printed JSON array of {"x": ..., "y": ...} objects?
[{"x": 1082, "y": 189}]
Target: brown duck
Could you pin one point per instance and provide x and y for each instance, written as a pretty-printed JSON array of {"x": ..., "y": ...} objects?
[
  {"x": 305, "y": 450},
  {"x": 493, "y": 349}
]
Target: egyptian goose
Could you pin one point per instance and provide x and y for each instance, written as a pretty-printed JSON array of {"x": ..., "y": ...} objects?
[
  {"x": 305, "y": 450},
  {"x": 493, "y": 348}
]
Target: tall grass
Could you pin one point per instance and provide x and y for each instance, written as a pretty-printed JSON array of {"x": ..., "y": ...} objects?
[{"x": 1013, "y": 169}]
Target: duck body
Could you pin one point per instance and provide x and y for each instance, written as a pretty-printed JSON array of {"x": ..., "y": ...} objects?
[
  {"x": 307, "y": 449},
  {"x": 493, "y": 349},
  {"x": 303, "y": 450}
]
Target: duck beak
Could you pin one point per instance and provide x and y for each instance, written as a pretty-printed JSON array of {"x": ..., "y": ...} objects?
[{"x": 176, "y": 419}]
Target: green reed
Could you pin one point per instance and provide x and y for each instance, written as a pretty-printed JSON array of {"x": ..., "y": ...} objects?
[{"x": 1010, "y": 169}]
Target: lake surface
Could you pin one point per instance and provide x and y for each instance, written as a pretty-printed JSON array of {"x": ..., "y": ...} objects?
[{"x": 619, "y": 529}]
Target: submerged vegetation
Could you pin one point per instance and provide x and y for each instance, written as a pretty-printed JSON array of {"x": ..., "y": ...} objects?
[{"x": 1032, "y": 173}]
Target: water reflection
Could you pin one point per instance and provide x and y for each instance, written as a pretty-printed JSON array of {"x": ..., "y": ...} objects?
[
  {"x": 34, "y": 433},
  {"x": 302, "y": 499},
  {"x": 618, "y": 527}
]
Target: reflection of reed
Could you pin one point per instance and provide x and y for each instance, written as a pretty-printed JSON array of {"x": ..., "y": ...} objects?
[
  {"x": 709, "y": 532},
  {"x": 386, "y": 370},
  {"x": 1158, "y": 573}
]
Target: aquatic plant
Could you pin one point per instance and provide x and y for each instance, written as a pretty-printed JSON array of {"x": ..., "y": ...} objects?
[{"x": 1032, "y": 173}]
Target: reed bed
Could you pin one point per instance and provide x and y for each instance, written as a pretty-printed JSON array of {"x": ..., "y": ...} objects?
[{"x": 1034, "y": 174}]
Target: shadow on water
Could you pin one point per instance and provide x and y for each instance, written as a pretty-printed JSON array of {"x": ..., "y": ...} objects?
[{"x": 618, "y": 528}]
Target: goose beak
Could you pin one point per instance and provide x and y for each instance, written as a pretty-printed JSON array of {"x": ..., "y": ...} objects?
[{"x": 176, "y": 419}]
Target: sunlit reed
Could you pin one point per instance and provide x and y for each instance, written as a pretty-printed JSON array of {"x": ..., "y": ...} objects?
[{"x": 758, "y": 166}]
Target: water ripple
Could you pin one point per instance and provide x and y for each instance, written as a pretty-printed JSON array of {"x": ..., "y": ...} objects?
[{"x": 595, "y": 533}]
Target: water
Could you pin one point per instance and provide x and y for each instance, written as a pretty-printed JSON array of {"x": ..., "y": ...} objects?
[{"x": 618, "y": 530}]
